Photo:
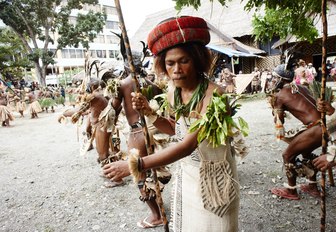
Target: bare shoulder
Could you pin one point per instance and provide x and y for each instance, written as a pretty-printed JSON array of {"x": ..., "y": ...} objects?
[{"x": 213, "y": 86}]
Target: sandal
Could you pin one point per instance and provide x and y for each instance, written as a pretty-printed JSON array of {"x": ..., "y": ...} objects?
[
  {"x": 283, "y": 192},
  {"x": 144, "y": 224},
  {"x": 311, "y": 191},
  {"x": 112, "y": 184}
]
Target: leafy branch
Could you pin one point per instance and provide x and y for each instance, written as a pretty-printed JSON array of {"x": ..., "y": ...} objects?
[{"x": 217, "y": 124}]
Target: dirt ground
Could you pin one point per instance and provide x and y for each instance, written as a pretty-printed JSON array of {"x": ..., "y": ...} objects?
[{"x": 46, "y": 185}]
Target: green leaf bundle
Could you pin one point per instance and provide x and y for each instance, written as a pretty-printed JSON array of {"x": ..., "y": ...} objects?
[{"x": 217, "y": 124}]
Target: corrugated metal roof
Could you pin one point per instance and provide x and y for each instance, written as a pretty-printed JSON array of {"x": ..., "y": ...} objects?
[{"x": 230, "y": 52}]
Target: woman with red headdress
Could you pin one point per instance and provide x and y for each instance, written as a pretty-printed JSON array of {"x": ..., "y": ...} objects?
[{"x": 206, "y": 193}]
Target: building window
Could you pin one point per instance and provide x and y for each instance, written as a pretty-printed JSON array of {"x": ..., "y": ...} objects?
[
  {"x": 114, "y": 54},
  {"x": 112, "y": 25},
  {"x": 112, "y": 39},
  {"x": 101, "y": 53},
  {"x": 267, "y": 47},
  {"x": 110, "y": 10},
  {"x": 99, "y": 39},
  {"x": 111, "y": 54},
  {"x": 72, "y": 53},
  {"x": 93, "y": 54},
  {"x": 79, "y": 53},
  {"x": 65, "y": 53},
  {"x": 95, "y": 8}
]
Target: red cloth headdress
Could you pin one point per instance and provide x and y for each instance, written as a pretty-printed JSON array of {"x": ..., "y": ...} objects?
[{"x": 177, "y": 31}]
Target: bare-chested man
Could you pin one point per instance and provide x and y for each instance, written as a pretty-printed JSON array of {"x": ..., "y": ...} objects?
[
  {"x": 297, "y": 100},
  {"x": 5, "y": 114},
  {"x": 136, "y": 140},
  {"x": 94, "y": 104},
  {"x": 325, "y": 161}
]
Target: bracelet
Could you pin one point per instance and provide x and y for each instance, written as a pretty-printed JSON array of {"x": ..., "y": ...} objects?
[
  {"x": 140, "y": 164},
  {"x": 330, "y": 157}
]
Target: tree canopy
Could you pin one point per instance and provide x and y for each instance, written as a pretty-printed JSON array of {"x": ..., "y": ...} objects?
[
  {"x": 36, "y": 21},
  {"x": 277, "y": 18},
  {"x": 11, "y": 60}
]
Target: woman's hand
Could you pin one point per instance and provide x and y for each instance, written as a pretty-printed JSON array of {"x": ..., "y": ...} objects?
[
  {"x": 116, "y": 170},
  {"x": 140, "y": 103}
]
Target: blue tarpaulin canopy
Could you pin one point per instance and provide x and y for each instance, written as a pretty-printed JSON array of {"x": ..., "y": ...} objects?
[{"x": 230, "y": 52}]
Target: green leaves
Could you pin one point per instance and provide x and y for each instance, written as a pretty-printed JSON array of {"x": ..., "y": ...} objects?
[
  {"x": 185, "y": 109},
  {"x": 315, "y": 89},
  {"x": 283, "y": 22},
  {"x": 217, "y": 124},
  {"x": 281, "y": 18},
  {"x": 194, "y": 3},
  {"x": 39, "y": 19}
]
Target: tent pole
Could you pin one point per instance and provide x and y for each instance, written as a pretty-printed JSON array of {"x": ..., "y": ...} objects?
[{"x": 232, "y": 64}]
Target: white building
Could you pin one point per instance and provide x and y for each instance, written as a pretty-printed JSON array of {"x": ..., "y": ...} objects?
[{"x": 105, "y": 46}]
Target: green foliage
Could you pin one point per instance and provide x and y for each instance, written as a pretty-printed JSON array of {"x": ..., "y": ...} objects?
[
  {"x": 217, "y": 124},
  {"x": 280, "y": 18},
  {"x": 194, "y": 3},
  {"x": 39, "y": 19},
  {"x": 283, "y": 18},
  {"x": 12, "y": 58},
  {"x": 293, "y": 22},
  {"x": 315, "y": 89},
  {"x": 84, "y": 31},
  {"x": 162, "y": 100}
]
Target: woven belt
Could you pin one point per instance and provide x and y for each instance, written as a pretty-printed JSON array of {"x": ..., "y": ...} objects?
[{"x": 310, "y": 125}]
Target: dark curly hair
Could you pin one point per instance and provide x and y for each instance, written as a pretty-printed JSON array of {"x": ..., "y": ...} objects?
[{"x": 198, "y": 52}]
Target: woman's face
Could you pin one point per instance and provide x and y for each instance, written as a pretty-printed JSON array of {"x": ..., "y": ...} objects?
[{"x": 180, "y": 67}]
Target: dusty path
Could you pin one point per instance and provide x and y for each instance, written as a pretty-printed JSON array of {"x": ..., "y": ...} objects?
[{"x": 47, "y": 186}]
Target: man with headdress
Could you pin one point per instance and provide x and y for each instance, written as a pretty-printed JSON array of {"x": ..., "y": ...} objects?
[
  {"x": 100, "y": 125},
  {"x": 298, "y": 101},
  {"x": 136, "y": 138}
]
